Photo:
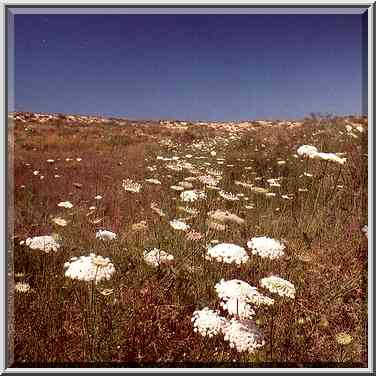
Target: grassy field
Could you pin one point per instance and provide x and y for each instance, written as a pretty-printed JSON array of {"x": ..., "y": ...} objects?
[{"x": 142, "y": 315}]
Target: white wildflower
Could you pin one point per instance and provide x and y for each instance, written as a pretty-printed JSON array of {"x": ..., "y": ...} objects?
[
  {"x": 22, "y": 287},
  {"x": 266, "y": 247},
  {"x": 131, "y": 186},
  {"x": 65, "y": 204},
  {"x": 105, "y": 235},
  {"x": 153, "y": 181},
  {"x": 179, "y": 225},
  {"x": 243, "y": 335},
  {"x": 192, "y": 195},
  {"x": 89, "y": 268},
  {"x": 44, "y": 243},
  {"x": 228, "y": 196},
  {"x": 60, "y": 221},
  {"x": 307, "y": 150},
  {"x": 227, "y": 253},
  {"x": 207, "y": 322},
  {"x": 155, "y": 257},
  {"x": 278, "y": 285}
]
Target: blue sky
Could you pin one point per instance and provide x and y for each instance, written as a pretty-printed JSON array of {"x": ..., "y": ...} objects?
[{"x": 193, "y": 67}]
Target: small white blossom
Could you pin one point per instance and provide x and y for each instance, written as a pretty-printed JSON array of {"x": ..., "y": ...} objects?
[
  {"x": 278, "y": 285},
  {"x": 105, "y": 235},
  {"x": 207, "y": 322},
  {"x": 44, "y": 243},
  {"x": 131, "y": 186},
  {"x": 307, "y": 150},
  {"x": 65, "y": 204},
  {"x": 155, "y": 257},
  {"x": 179, "y": 225},
  {"x": 243, "y": 335},
  {"x": 227, "y": 253},
  {"x": 266, "y": 247},
  {"x": 89, "y": 268},
  {"x": 192, "y": 195}
]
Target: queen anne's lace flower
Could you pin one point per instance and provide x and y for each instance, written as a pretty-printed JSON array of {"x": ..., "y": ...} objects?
[
  {"x": 179, "y": 225},
  {"x": 329, "y": 157},
  {"x": 22, "y": 287},
  {"x": 278, "y": 285},
  {"x": 44, "y": 243},
  {"x": 192, "y": 195},
  {"x": 65, "y": 204},
  {"x": 155, "y": 257},
  {"x": 153, "y": 181},
  {"x": 89, "y": 268},
  {"x": 307, "y": 150},
  {"x": 105, "y": 235},
  {"x": 243, "y": 335},
  {"x": 228, "y": 253},
  {"x": 131, "y": 186},
  {"x": 228, "y": 196},
  {"x": 60, "y": 221},
  {"x": 266, "y": 247},
  {"x": 237, "y": 297},
  {"x": 208, "y": 179},
  {"x": 207, "y": 322}
]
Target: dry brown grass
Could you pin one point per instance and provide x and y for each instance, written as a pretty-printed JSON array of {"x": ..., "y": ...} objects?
[{"x": 146, "y": 321}]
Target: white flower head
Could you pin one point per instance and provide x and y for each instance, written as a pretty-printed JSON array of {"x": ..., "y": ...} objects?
[
  {"x": 155, "y": 257},
  {"x": 105, "y": 235},
  {"x": 329, "y": 157},
  {"x": 22, "y": 287},
  {"x": 176, "y": 224},
  {"x": 307, "y": 150},
  {"x": 131, "y": 186},
  {"x": 228, "y": 253},
  {"x": 192, "y": 195},
  {"x": 153, "y": 181},
  {"x": 207, "y": 322},
  {"x": 237, "y": 297},
  {"x": 65, "y": 204},
  {"x": 89, "y": 268},
  {"x": 44, "y": 243},
  {"x": 228, "y": 196},
  {"x": 266, "y": 247},
  {"x": 60, "y": 221},
  {"x": 278, "y": 285},
  {"x": 243, "y": 335}
]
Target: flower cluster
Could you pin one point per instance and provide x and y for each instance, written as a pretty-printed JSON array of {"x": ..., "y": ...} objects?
[
  {"x": 192, "y": 195},
  {"x": 131, "y": 186},
  {"x": 312, "y": 152},
  {"x": 155, "y": 257},
  {"x": 278, "y": 285},
  {"x": 44, "y": 243},
  {"x": 105, "y": 235},
  {"x": 207, "y": 322},
  {"x": 89, "y": 268},
  {"x": 266, "y": 247},
  {"x": 237, "y": 297},
  {"x": 228, "y": 196},
  {"x": 307, "y": 150},
  {"x": 179, "y": 225},
  {"x": 243, "y": 335},
  {"x": 228, "y": 253},
  {"x": 65, "y": 204}
]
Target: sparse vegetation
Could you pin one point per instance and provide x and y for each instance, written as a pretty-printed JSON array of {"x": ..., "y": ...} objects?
[{"x": 315, "y": 208}]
